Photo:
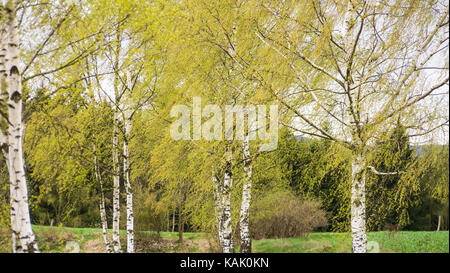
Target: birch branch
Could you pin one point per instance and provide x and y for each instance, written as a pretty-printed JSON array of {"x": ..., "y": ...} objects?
[{"x": 382, "y": 173}]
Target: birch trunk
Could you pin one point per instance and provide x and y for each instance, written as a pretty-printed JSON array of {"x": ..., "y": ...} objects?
[
  {"x": 358, "y": 198},
  {"x": 116, "y": 178},
  {"x": 227, "y": 230},
  {"x": 4, "y": 131},
  {"x": 116, "y": 187},
  {"x": 103, "y": 218},
  {"x": 23, "y": 236},
  {"x": 246, "y": 241},
  {"x": 126, "y": 169},
  {"x": 104, "y": 221},
  {"x": 358, "y": 205}
]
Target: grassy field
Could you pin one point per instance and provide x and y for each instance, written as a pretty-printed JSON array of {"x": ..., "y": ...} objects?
[
  {"x": 52, "y": 239},
  {"x": 389, "y": 242}
]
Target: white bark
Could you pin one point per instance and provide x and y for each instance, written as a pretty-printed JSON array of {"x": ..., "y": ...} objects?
[
  {"x": 3, "y": 131},
  {"x": 116, "y": 187},
  {"x": 348, "y": 26},
  {"x": 246, "y": 241},
  {"x": 358, "y": 205},
  {"x": 375, "y": 171},
  {"x": 227, "y": 230},
  {"x": 23, "y": 236},
  {"x": 358, "y": 198},
  {"x": 128, "y": 188},
  {"x": 103, "y": 218},
  {"x": 116, "y": 177},
  {"x": 104, "y": 222}
]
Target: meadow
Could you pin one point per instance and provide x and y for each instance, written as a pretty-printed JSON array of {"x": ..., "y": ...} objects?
[{"x": 60, "y": 239}]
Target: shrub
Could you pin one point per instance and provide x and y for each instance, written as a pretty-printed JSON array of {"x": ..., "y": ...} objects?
[
  {"x": 53, "y": 240},
  {"x": 282, "y": 215}
]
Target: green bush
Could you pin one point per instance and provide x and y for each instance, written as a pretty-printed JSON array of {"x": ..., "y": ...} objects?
[{"x": 284, "y": 215}]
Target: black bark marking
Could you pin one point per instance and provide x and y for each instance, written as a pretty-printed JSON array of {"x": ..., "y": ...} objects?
[
  {"x": 16, "y": 97},
  {"x": 14, "y": 71}
]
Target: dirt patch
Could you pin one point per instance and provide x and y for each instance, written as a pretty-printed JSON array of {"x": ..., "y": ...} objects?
[
  {"x": 94, "y": 246},
  {"x": 207, "y": 244},
  {"x": 204, "y": 245},
  {"x": 153, "y": 243}
]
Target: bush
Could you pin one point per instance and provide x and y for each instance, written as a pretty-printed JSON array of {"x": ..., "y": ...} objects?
[
  {"x": 53, "y": 240},
  {"x": 284, "y": 215}
]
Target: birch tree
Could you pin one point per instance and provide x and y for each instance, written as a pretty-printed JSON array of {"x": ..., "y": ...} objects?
[
  {"x": 129, "y": 191},
  {"x": 361, "y": 66},
  {"x": 26, "y": 67},
  {"x": 223, "y": 31},
  {"x": 228, "y": 50},
  {"x": 133, "y": 91},
  {"x": 116, "y": 150},
  {"x": 23, "y": 236}
]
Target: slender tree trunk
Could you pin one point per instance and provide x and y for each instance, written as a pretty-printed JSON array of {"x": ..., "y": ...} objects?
[
  {"x": 126, "y": 169},
  {"x": 116, "y": 187},
  {"x": 173, "y": 220},
  {"x": 246, "y": 240},
  {"x": 227, "y": 229},
  {"x": 358, "y": 205},
  {"x": 103, "y": 218},
  {"x": 23, "y": 237},
  {"x": 219, "y": 207},
  {"x": 116, "y": 179},
  {"x": 180, "y": 225},
  {"x": 430, "y": 212},
  {"x": 439, "y": 223},
  {"x": 104, "y": 221}
]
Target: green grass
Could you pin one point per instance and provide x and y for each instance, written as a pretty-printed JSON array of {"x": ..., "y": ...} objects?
[
  {"x": 75, "y": 231},
  {"x": 398, "y": 242},
  {"x": 53, "y": 239},
  {"x": 96, "y": 231}
]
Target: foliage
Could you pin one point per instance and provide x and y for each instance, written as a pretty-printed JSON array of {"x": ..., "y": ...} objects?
[
  {"x": 389, "y": 197},
  {"x": 318, "y": 169},
  {"x": 432, "y": 201},
  {"x": 283, "y": 215}
]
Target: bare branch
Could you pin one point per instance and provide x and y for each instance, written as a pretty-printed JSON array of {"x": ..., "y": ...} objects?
[{"x": 381, "y": 173}]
